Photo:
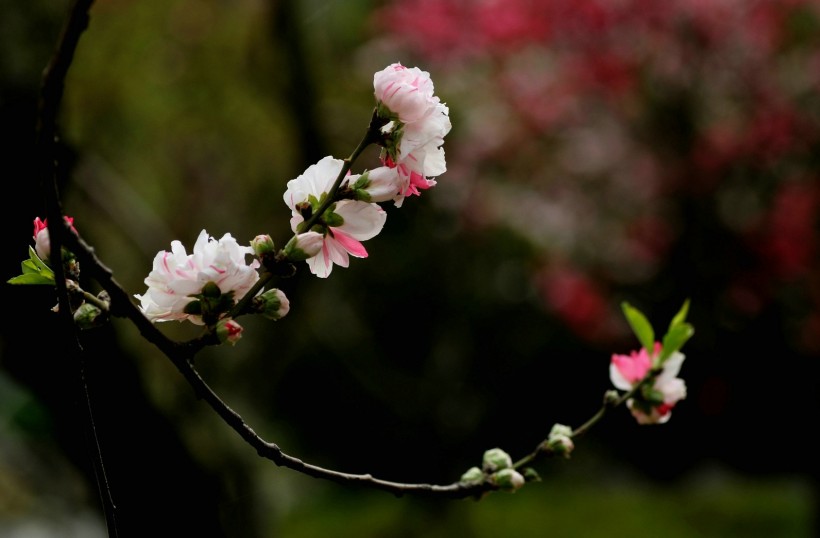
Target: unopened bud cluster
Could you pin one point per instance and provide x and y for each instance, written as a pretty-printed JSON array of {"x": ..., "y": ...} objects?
[{"x": 496, "y": 468}]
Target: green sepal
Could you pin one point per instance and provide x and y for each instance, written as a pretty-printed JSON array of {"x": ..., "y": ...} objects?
[
  {"x": 361, "y": 195},
  {"x": 531, "y": 475},
  {"x": 385, "y": 113},
  {"x": 650, "y": 395},
  {"x": 362, "y": 182},
  {"x": 332, "y": 219},
  {"x": 211, "y": 290},
  {"x": 640, "y": 326},
  {"x": 194, "y": 308}
]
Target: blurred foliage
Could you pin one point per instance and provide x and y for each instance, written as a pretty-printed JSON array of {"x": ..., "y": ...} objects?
[{"x": 484, "y": 312}]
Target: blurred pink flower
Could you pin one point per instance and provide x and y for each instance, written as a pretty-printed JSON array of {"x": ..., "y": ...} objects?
[{"x": 627, "y": 371}]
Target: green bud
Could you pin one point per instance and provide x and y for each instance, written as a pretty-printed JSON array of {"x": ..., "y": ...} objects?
[
  {"x": 508, "y": 479},
  {"x": 531, "y": 475},
  {"x": 560, "y": 440},
  {"x": 611, "y": 397},
  {"x": 88, "y": 316},
  {"x": 273, "y": 304},
  {"x": 473, "y": 475},
  {"x": 262, "y": 245},
  {"x": 495, "y": 459}
]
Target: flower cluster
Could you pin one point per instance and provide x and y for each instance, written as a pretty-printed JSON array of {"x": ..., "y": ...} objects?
[
  {"x": 653, "y": 402},
  {"x": 416, "y": 123},
  {"x": 343, "y": 208},
  {"x": 650, "y": 379},
  {"x": 198, "y": 287},
  {"x": 498, "y": 469}
]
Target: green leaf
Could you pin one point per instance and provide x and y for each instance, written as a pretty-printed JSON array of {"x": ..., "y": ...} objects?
[
  {"x": 640, "y": 326},
  {"x": 35, "y": 271},
  {"x": 29, "y": 266},
  {"x": 32, "y": 254},
  {"x": 674, "y": 340},
  {"x": 680, "y": 317},
  {"x": 32, "y": 278}
]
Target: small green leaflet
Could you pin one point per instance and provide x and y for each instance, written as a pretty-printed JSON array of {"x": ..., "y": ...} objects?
[
  {"x": 679, "y": 331},
  {"x": 674, "y": 340},
  {"x": 680, "y": 317},
  {"x": 677, "y": 335},
  {"x": 640, "y": 326},
  {"x": 35, "y": 271}
]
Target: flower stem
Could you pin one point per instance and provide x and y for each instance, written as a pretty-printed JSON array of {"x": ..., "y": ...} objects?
[
  {"x": 369, "y": 137},
  {"x": 240, "y": 306}
]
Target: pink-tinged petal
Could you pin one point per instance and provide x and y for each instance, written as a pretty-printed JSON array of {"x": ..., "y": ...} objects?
[
  {"x": 362, "y": 220},
  {"x": 337, "y": 253},
  {"x": 176, "y": 276},
  {"x": 352, "y": 246},
  {"x": 384, "y": 183},
  {"x": 39, "y": 226},
  {"x": 315, "y": 180},
  {"x": 632, "y": 367},
  {"x": 320, "y": 265}
]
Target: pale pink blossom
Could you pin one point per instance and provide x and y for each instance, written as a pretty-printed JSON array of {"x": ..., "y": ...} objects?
[
  {"x": 343, "y": 226},
  {"x": 417, "y": 123},
  {"x": 626, "y": 371},
  {"x": 177, "y": 276},
  {"x": 407, "y": 92}
]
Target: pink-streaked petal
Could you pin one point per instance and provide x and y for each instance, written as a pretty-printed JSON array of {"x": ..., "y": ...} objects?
[{"x": 352, "y": 246}]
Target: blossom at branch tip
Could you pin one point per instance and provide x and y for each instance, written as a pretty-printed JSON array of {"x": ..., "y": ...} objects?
[
  {"x": 343, "y": 225},
  {"x": 653, "y": 403},
  {"x": 42, "y": 240},
  {"x": 406, "y": 91},
  {"x": 177, "y": 278},
  {"x": 415, "y": 125}
]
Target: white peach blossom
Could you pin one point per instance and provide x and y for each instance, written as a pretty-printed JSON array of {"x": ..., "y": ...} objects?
[
  {"x": 177, "y": 276},
  {"x": 344, "y": 225}
]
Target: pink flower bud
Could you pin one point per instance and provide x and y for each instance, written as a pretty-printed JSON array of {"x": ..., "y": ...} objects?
[
  {"x": 42, "y": 240},
  {"x": 228, "y": 330},
  {"x": 304, "y": 246},
  {"x": 262, "y": 245}
]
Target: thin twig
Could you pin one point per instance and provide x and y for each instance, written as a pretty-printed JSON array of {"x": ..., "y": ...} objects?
[{"x": 51, "y": 93}]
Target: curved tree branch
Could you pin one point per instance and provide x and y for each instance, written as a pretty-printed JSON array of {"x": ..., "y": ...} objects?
[{"x": 182, "y": 354}]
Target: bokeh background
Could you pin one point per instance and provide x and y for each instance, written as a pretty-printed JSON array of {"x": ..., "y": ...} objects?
[{"x": 601, "y": 152}]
